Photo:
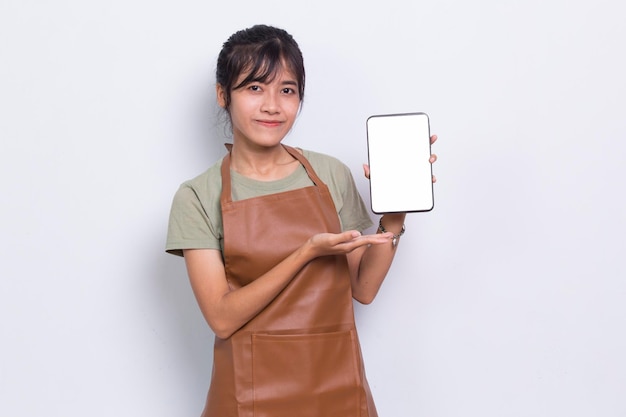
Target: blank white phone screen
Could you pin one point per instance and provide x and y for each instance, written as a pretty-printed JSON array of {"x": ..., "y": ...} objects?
[{"x": 400, "y": 171}]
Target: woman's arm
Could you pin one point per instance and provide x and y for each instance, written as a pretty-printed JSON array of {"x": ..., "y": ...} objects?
[
  {"x": 369, "y": 265},
  {"x": 227, "y": 310}
]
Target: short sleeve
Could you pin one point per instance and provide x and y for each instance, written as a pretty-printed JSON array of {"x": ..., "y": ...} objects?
[
  {"x": 353, "y": 213},
  {"x": 189, "y": 224}
]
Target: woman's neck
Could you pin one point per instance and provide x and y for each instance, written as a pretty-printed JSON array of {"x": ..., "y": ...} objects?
[{"x": 263, "y": 164}]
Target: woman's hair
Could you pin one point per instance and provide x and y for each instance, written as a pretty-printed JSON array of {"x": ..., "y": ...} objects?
[{"x": 261, "y": 51}]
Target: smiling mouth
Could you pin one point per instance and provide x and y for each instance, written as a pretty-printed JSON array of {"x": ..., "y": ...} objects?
[{"x": 270, "y": 123}]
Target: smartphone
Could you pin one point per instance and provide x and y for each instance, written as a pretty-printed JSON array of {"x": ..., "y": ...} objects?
[{"x": 398, "y": 147}]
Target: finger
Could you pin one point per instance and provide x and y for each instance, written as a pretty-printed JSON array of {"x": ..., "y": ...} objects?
[
  {"x": 434, "y": 179},
  {"x": 346, "y": 236},
  {"x": 367, "y": 240},
  {"x": 360, "y": 239},
  {"x": 366, "y": 171},
  {"x": 433, "y": 139},
  {"x": 374, "y": 239},
  {"x": 433, "y": 158}
]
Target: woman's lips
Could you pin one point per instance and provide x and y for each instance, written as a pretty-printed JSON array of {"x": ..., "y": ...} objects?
[{"x": 269, "y": 123}]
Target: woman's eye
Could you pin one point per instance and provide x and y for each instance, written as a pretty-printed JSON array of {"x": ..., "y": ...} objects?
[
  {"x": 288, "y": 90},
  {"x": 255, "y": 88}
]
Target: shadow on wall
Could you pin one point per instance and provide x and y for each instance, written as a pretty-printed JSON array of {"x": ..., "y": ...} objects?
[{"x": 187, "y": 339}]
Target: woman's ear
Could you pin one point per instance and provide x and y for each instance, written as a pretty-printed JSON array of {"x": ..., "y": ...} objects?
[{"x": 221, "y": 95}]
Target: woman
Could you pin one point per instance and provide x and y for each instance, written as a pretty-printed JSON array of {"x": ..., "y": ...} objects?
[{"x": 271, "y": 240}]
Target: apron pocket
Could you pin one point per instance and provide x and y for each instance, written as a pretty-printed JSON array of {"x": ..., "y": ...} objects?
[{"x": 309, "y": 375}]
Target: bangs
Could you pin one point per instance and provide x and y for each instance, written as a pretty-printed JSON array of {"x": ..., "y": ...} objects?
[
  {"x": 258, "y": 54},
  {"x": 262, "y": 63}
]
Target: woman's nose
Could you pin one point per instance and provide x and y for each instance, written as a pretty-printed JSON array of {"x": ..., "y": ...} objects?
[{"x": 270, "y": 103}]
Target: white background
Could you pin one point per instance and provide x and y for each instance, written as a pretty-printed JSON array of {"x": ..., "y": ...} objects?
[{"x": 507, "y": 300}]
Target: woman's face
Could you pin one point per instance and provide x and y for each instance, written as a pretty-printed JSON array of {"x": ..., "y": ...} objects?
[{"x": 263, "y": 113}]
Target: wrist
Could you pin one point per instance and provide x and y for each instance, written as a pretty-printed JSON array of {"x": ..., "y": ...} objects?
[
  {"x": 392, "y": 222},
  {"x": 384, "y": 228},
  {"x": 305, "y": 253}
]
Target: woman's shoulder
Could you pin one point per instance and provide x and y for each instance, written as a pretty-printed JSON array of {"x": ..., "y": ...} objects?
[
  {"x": 204, "y": 184},
  {"x": 322, "y": 161},
  {"x": 332, "y": 171},
  {"x": 209, "y": 175}
]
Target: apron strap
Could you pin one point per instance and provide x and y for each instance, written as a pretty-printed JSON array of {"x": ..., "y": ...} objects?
[
  {"x": 305, "y": 162},
  {"x": 227, "y": 195}
]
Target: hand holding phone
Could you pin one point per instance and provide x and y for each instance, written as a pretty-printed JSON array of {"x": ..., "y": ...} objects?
[{"x": 399, "y": 160}]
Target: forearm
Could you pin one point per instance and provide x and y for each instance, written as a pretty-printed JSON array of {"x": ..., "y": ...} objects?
[
  {"x": 226, "y": 310},
  {"x": 375, "y": 262}
]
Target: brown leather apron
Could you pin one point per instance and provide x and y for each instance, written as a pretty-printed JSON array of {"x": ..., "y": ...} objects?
[{"x": 300, "y": 356}]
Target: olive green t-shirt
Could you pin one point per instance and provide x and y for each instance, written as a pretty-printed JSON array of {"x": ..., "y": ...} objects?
[{"x": 196, "y": 217}]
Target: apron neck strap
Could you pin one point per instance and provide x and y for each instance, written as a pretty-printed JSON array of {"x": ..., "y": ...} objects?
[
  {"x": 305, "y": 162},
  {"x": 227, "y": 195}
]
